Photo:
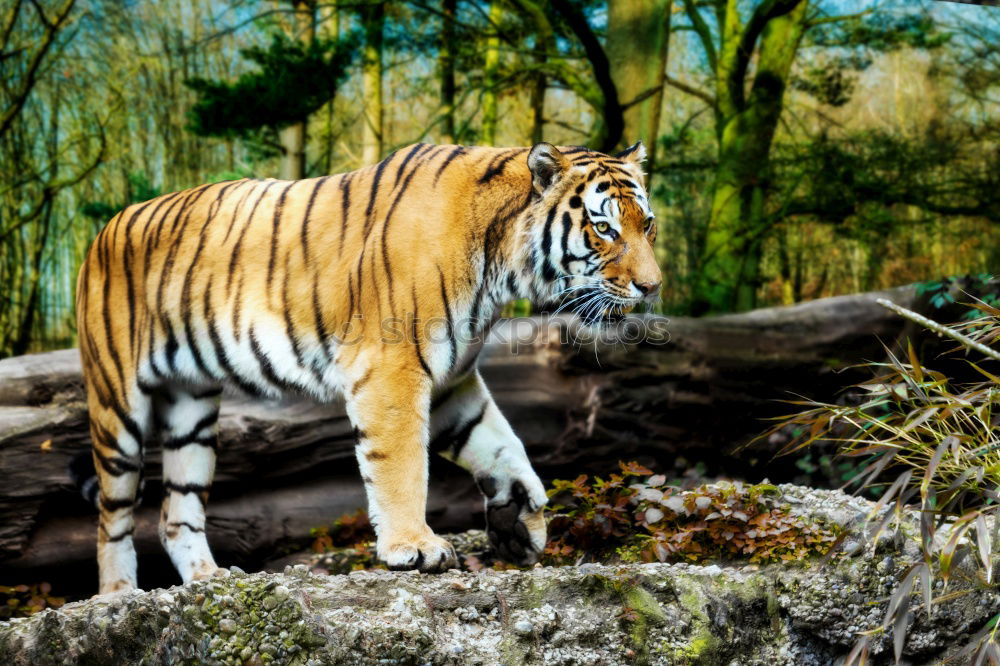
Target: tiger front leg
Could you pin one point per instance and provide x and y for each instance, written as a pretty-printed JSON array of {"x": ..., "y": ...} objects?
[
  {"x": 469, "y": 430},
  {"x": 390, "y": 414}
]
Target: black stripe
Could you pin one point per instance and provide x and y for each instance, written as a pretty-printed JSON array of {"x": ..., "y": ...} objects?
[
  {"x": 118, "y": 537},
  {"x": 345, "y": 205},
  {"x": 172, "y": 345},
  {"x": 451, "y": 326},
  {"x": 108, "y": 335},
  {"x": 192, "y": 344},
  {"x": 305, "y": 223},
  {"x": 113, "y": 504},
  {"x": 461, "y": 437},
  {"x": 496, "y": 169},
  {"x": 267, "y": 368},
  {"x": 456, "y": 437},
  {"x": 220, "y": 352},
  {"x": 129, "y": 273},
  {"x": 416, "y": 336},
  {"x": 373, "y": 195},
  {"x": 184, "y": 488},
  {"x": 209, "y": 442},
  {"x": 192, "y": 435},
  {"x": 406, "y": 160},
  {"x": 276, "y": 220},
  {"x": 318, "y": 322},
  {"x": 290, "y": 329},
  {"x": 208, "y": 393},
  {"x": 183, "y": 523},
  {"x": 361, "y": 381},
  {"x": 236, "y": 210},
  {"x": 238, "y": 247},
  {"x": 115, "y": 466},
  {"x": 548, "y": 272},
  {"x": 456, "y": 152}
]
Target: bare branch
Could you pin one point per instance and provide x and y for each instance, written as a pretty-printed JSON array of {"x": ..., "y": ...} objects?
[
  {"x": 27, "y": 84},
  {"x": 940, "y": 329},
  {"x": 704, "y": 32},
  {"x": 691, "y": 90}
]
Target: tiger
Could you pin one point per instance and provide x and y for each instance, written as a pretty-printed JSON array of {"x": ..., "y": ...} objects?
[{"x": 378, "y": 286}]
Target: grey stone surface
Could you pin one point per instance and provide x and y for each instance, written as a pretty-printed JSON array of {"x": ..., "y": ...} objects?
[{"x": 724, "y": 613}]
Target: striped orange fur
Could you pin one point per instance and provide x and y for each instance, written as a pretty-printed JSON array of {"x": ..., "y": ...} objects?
[{"x": 379, "y": 285}]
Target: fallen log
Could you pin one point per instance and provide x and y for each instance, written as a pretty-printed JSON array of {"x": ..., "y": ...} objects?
[
  {"x": 689, "y": 389},
  {"x": 787, "y": 614}
]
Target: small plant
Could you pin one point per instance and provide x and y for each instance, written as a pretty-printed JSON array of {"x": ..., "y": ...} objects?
[
  {"x": 636, "y": 516},
  {"x": 348, "y": 530},
  {"x": 348, "y": 544},
  {"x": 25, "y": 600}
]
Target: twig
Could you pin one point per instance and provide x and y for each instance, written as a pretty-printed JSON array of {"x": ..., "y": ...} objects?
[{"x": 939, "y": 328}]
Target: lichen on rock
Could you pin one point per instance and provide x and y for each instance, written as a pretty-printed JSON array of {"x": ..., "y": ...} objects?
[{"x": 722, "y": 613}]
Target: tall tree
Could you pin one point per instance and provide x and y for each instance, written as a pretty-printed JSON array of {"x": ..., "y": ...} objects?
[
  {"x": 373, "y": 22},
  {"x": 270, "y": 106},
  {"x": 491, "y": 69},
  {"x": 638, "y": 39},
  {"x": 446, "y": 67},
  {"x": 50, "y": 142},
  {"x": 747, "y": 102},
  {"x": 293, "y": 137}
]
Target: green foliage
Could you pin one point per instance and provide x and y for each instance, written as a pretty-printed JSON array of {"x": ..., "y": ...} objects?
[
  {"x": 25, "y": 600},
  {"x": 941, "y": 293},
  {"x": 139, "y": 189},
  {"x": 881, "y": 31},
  {"x": 292, "y": 81},
  {"x": 636, "y": 516}
]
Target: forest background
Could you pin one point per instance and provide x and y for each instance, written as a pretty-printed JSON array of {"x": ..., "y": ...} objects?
[{"x": 798, "y": 148}]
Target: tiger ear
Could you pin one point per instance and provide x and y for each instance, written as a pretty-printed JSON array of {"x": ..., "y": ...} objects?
[
  {"x": 547, "y": 166},
  {"x": 636, "y": 153}
]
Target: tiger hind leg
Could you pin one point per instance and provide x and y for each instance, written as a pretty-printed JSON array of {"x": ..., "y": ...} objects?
[
  {"x": 188, "y": 418},
  {"x": 117, "y": 432}
]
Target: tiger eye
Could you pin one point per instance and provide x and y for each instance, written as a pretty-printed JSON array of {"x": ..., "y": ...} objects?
[{"x": 602, "y": 227}]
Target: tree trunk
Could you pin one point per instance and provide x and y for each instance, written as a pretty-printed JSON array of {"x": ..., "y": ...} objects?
[
  {"x": 638, "y": 39},
  {"x": 373, "y": 19},
  {"x": 446, "y": 66},
  {"x": 730, "y": 270},
  {"x": 491, "y": 65},
  {"x": 331, "y": 28},
  {"x": 293, "y": 138},
  {"x": 539, "y": 87},
  {"x": 578, "y": 407}
]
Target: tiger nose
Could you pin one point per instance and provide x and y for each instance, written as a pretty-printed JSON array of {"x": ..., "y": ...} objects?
[{"x": 647, "y": 288}]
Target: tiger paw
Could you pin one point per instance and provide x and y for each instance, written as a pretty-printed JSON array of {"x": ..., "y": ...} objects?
[
  {"x": 428, "y": 553},
  {"x": 514, "y": 520}
]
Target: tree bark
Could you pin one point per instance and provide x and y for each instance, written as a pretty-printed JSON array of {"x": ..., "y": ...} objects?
[
  {"x": 745, "y": 126},
  {"x": 638, "y": 40},
  {"x": 578, "y": 407},
  {"x": 372, "y": 19},
  {"x": 446, "y": 67},
  {"x": 293, "y": 138},
  {"x": 491, "y": 66}
]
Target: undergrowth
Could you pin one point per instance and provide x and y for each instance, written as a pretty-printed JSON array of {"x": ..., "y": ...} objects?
[
  {"x": 25, "y": 600},
  {"x": 925, "y": 442},
  {"x": 632, "y": 516}
]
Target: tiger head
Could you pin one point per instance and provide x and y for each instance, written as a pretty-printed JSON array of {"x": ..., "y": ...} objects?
[{"x": 593, "y": 230}]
